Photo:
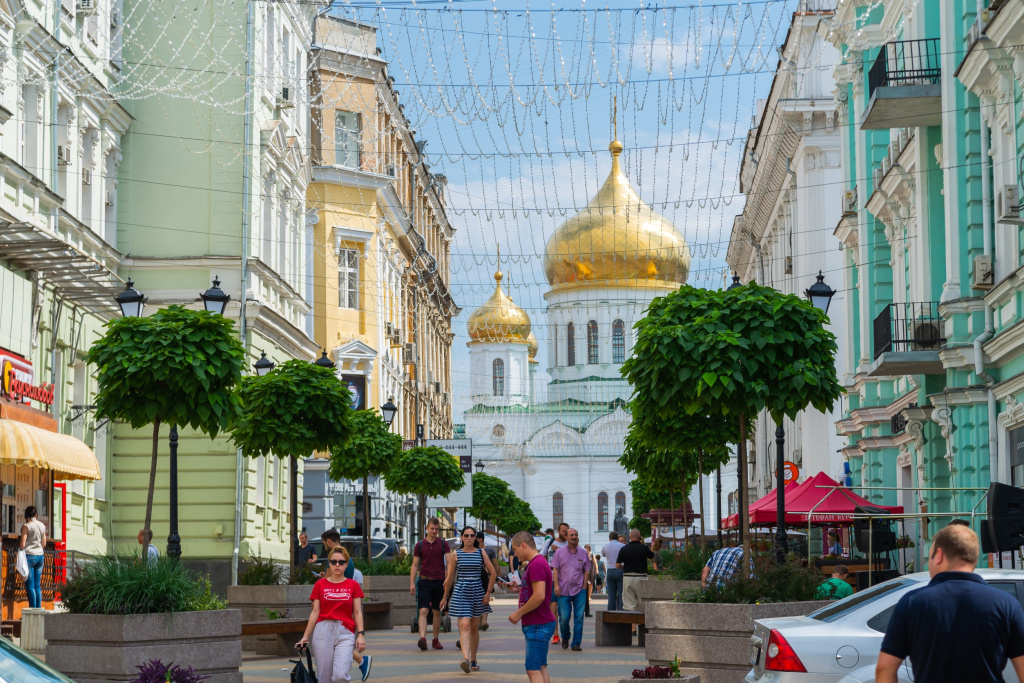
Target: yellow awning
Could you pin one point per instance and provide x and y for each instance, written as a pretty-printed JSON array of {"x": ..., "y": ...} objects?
[{"x": 28, "y": 446}]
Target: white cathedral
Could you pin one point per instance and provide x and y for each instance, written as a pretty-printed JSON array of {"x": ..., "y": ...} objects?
[{"x": 604, "y": 266}]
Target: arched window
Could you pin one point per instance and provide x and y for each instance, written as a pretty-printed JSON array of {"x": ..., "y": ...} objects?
[
  {"x": 498, "y": 377},
  {"x": 618, "y": 342},
  {"x": 556, "y": 510},
  {"x": 592, "y": 342},
  {"x": 602, "y": 511},
  {"x": 620, "y": 503},
  {"x": 555, "y": 346},
  {"x": 570, "y": 333}
]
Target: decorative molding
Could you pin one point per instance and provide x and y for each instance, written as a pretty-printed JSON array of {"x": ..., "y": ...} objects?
[{"x": 903, "y": 459}]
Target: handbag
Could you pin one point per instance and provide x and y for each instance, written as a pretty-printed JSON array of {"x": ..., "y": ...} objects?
[
  {"x": 21, "y": 564},
  {"x": 300, "y": 674}
]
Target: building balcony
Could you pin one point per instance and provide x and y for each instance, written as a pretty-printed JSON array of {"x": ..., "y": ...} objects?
[
  {"x": 903, "y": 86},
  {"x": 908, "y": 338}
]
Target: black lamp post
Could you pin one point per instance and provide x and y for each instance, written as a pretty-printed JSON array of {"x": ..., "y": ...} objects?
[
  {"x": 131, "y": 301},
  {"x": 264, "y": 365},
  {"x": 820, "y": 294},
  {"x": 323, "y": 361},
  {"x": 214, "y": 299},
  {"x": 388, "y": 411},
  {"x": 735, "y": 282}
]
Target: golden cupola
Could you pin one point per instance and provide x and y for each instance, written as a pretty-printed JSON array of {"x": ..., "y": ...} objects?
[
  {"x": 533, "y": 346},
  {"x": 499, "y": 320},
  {"x": 617, "y": 240}
]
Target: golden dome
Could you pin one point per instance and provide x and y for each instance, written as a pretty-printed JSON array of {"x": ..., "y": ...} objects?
[
  {"x": 499, "y": 320},
  {"x": 533, "y": 346},
  {"x": 617, "y": 240}
]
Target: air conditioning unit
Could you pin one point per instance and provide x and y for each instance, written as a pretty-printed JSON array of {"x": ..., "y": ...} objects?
[
  {"x": 115, "y": 20},
  {"x": 284, "y": 100},
  {"x": 849, "y": 202},
  {"x": 86, "y": 176},
  {"x": 389, "y": 329},
  {"x": 983, "y": 277},
  {"x": 63, "y": 155},
  {"x": 1008, "y": 205},
  {"x": 926, "y": 335},
  {"x": 86, "y": 5},
  {"x": 396, "y": 337},
  {"x": 437, "y": 387},
  {"x": 410, "y": 351},
  {"x": 392, "y": 171}
]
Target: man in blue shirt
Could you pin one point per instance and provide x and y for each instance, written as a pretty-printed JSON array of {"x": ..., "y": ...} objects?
[{"x": 957, "y": 628}]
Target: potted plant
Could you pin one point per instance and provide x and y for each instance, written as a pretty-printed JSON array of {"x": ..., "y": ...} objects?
[
  {"x": 122, "y": 610},
  {"x": 260, "y": 592}
]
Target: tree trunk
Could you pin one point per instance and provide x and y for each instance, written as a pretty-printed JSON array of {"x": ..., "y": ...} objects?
[
  {"x": 686, "y": 517},
  {"x": 741, "y": 493},
  {"x": 672, "y": 516},
  {"x": 700, "y": 480},
  {"x": 423, "y": 514},
  {"x": 366, "y": 518},
  {"x": 293, "y": 484},
  {"x": 152, "y": 483}
]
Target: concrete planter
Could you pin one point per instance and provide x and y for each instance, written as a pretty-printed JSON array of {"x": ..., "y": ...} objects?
[
  {"x": 290, "y": 601},
  {"x": 663, "y": 589},
  {"x": 711, "y": 640},
  {"x": 90, "y": 647},
  {"x": 393, "y": 589}
]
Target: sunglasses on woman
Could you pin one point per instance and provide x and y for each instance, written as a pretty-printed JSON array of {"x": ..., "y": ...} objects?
[
  {"x": 469, "y": 535},
  {"x": 335, "y": 563}
]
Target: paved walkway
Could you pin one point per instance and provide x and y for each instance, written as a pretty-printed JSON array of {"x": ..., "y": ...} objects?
[{"x": 397, "y": 659}]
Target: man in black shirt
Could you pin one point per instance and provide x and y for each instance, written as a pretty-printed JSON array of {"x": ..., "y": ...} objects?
[
  {"x": 632, "y": 560},
  {"x": 957, "y": 628}
]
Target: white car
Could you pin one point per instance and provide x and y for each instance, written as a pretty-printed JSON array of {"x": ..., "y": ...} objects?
[{"x": 840, "y": 643}]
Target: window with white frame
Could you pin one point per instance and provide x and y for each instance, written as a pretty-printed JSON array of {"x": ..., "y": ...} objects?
[
  {"x": 348, "y": 278},
  {"x": 346, "y": 138}
]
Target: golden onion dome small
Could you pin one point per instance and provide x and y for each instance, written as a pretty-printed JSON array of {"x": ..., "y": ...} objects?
[
  {"x": 617, "y": 240},
  {"x": 499, "y": 320},
  {"x": 533, "y": 346}
]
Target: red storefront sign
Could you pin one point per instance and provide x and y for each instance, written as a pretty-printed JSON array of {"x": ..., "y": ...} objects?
[{"x": 16, "y": 378}]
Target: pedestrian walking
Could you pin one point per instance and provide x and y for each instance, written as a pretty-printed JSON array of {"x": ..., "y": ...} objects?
[
  {"x": 633, "y": 561},
  {"x": 33, "y": 541},
  {"x": 428, "y": 560},
  {"x": 836, "y": 588},
  {"x": 468, "y": 597},
  {"x": 306, "y": 554},
  {"x": 591, "y": 580},
  {"x": 599, "y": 563},
  {"x": 957, "y": 628},
  {"x": 613, "y": 575},
  {"x": 492, "y": 555},
  {"x": 570, "y": 567},
  {"x": 331, "y": 540},
  {"x": 149, "y": 550},
  {"x": 335, "y": 626},
  {"x": 657, "y": 561},
  {"x": 721, "y": 566},
  {"x": 534, "y": 611},
  {"x": 558, "y": 542}
]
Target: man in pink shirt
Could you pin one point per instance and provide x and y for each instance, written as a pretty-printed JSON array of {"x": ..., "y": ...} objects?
[
  {"x": 534, "y": 606},
  {"x": 570, "y": 568}
]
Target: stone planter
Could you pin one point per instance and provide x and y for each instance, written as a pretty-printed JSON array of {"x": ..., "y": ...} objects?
[
  {"x": 663, "y": 589},
  {"x": 290, "y": 601},
  {"x": 393, "y": 589},
  {"x": 89, "y": 647},
  {"x": 711, "y": 640}
]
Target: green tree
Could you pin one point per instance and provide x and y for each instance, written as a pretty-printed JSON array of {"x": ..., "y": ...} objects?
[
  {"x": 491, "y": 496},
  {"x": 369, "y": 451},
  {"x": 293, "y": 411},
  {"x": 668, "y": 471},
  {"x": 646, "y": 498},
  {"x": 733, "y": 353},
  {"x": 425, "y": 471},
  {"x": 177, "y": 366},
  {"x": 518, "y": 516}
]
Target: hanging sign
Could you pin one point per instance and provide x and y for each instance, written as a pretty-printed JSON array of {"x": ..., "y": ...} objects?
[{"x": 16, "y": 381}]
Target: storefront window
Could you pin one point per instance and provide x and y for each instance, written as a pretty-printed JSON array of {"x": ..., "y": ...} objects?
[{"x": 1016, "y": 456}]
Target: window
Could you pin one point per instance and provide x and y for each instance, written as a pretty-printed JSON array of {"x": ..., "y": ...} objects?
[
  {"x": 592, "y": 342},
  {"x": 570, "y": 343},
  {"x": 733, "y": 509},
  {"x": 556, "y": 510},
  {"x": 555, "y": 346},
  {"x": 498, "y": 377},
  {"x": 620, "y": 503},
  {"x": 348, "y": 278},
  {"x": 618, "y": 342},
  {"x": 602, "y": 511},
  {"x": 346, "y": 139}
]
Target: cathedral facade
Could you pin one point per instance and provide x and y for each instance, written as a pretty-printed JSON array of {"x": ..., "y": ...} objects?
[{"x": 560, "y": 454}]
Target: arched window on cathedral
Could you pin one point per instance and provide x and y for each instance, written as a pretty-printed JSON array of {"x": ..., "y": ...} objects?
[
  {"x": 570, "y": 344},
  {"x": 620, "y": 503},
  {"x": 592, "y": 342},
  {"x": 556, "y": 510},
  {"x": 618, "y": 342},
  {"x": 602, "y": 511},
  {"x": 498, "y": 377}
]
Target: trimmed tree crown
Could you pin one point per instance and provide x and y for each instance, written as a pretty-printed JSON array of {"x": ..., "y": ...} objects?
[
  {"x": 425, "y": 470},
  {"x": 369, "y": 451}
]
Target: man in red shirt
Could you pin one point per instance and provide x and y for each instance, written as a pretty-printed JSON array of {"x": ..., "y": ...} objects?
[
  {"x": 534, "y": 606},
  {"x": 428, "y": 558}
]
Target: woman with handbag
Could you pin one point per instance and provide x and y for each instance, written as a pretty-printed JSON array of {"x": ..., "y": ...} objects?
[
  {"x": 33, "y": 542},
  {"x": 335, "y": 625},
  {"x": 469, "y": 596}
]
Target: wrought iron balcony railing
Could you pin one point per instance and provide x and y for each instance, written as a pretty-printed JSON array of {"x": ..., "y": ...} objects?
[
  {"x": 909, "y": 327},
  {"x": 906, "y": 62}
]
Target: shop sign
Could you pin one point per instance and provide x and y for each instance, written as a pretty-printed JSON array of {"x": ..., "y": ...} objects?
[
  {"x": 790, "y": 471},
  {"x": 16, "y": 381}
]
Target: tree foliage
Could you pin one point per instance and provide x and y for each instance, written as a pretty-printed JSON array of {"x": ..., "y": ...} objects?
[
  {"x": 177, "y": 366},
  {"x": 518, "y": 516},
  {"x": 731, "y": 352},
  {"x": 491, "y": 496},
  {"x": 370, "y": 450},
  {"x": 647, "y": 497},
  {"x": 426, "y": 471},
  {"x": 294, "y": 410}
]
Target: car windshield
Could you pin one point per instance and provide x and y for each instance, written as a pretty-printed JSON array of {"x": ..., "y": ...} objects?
[
  {"x": 17, "y": 666},
  {"x": 847, "y": 606}
]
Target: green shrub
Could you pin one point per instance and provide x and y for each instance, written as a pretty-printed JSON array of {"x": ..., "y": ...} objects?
[
  {"x": 260, "y": 571},
  {"x": 303, "y": 575},
  {"x": 385, "y": 567},
  {"x": 688, "y": 565},
  {"x": 793, "y": 581},
  {"x": 122, "y": 583}
]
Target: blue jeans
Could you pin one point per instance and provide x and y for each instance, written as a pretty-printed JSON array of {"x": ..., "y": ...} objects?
[
  {"x": 538, "y": 638},
  {"x": 571, "y": 604},
  {"x": 614, "y": 581},
  {"x": 33, "y": 584}
]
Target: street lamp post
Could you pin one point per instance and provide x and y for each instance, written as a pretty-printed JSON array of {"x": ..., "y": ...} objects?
[
  {"x": 131, "y": 301},
  {"x": 480, "y": 470},
  {"x": 741, "y": 467}
]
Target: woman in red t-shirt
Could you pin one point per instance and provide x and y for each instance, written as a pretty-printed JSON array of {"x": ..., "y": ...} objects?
[{"x": 336, "y": 622}]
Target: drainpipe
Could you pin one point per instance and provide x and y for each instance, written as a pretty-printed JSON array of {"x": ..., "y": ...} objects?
[{"x": 979, "y": 360}]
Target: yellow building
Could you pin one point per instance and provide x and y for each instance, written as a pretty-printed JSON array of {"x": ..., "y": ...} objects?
[{"x": 381, "y": 252}]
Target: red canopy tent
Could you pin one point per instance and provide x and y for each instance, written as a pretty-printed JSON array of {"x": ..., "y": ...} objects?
[{"x": 762, "y": 511}]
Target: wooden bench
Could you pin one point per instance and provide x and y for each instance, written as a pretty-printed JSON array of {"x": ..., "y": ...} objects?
[
  {"x": 273, "y": 627},
  {"x": 615, "y": 628},
  {"x": 377, "y": 616}
]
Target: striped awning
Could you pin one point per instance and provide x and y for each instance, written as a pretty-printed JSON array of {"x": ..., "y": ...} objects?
[{"x": 27, "y": 446}]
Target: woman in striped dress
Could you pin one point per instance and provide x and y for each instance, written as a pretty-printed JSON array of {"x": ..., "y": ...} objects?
[{"x": 468, "y": 595}]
